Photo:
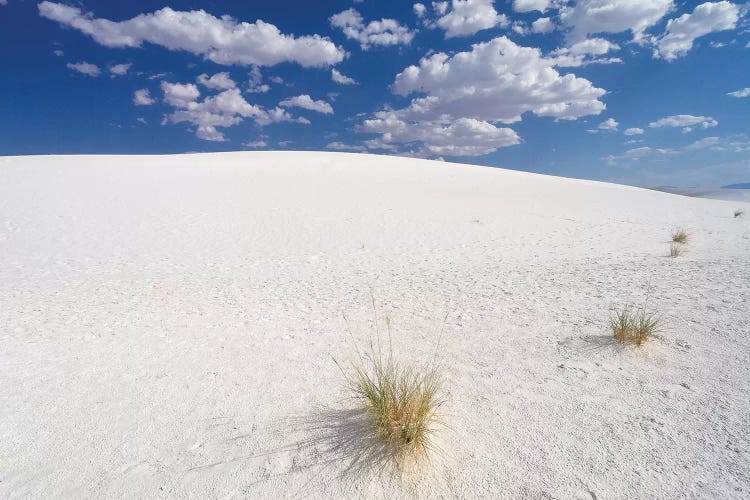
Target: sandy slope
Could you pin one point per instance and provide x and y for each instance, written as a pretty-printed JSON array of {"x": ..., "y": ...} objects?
[{"x": 166, "y": 327}]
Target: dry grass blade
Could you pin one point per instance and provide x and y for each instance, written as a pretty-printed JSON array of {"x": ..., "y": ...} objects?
[
  {"x": 675, "y": 250},
  {"x": 680, "y": 236},
  {"x": 634, "y": 326}
]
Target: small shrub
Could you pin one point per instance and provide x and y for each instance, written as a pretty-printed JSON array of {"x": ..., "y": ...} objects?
[
  {"x": 680, "y": 236},
  {"x": 739, "y": 212},
  {"x": 634, "y": 326},
  {"x": 675, "y": 250}
]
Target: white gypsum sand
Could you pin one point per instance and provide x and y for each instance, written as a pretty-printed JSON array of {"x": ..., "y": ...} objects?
[{"x": 167, "y": 325}]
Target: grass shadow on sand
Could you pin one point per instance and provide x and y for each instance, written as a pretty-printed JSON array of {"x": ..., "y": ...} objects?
[{"x": 345, "y": 444}]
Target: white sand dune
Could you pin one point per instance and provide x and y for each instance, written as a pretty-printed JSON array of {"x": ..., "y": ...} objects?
[{"x": 167, "y": 325}]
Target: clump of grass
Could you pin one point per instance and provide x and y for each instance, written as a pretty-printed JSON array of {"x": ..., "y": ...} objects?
[
  {"x": 680, "y": 236},
  {"x": 739, "y": 213},
  {"x": 631, "y": 326},
  {"x": 675, "y": 250},
  {"x": 401, "y": 403}
]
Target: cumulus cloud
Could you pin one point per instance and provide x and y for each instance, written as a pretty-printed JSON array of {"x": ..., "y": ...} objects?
[
  {"x": 142, "y": 97},
  {"x": 681, "y": 32},
  {"x": 383, "y": 32},
  {"x": 636, "y": 154},
  {"x": 255, "y": 144},
  {"x": 256, "y": 85},
  {"x": 180, "y": 95},
  {"x": 586, "y": 52},
  {"x": 496, "y": 81},
  {"x": 461, "y": 137},
  {"x": 341, "y": 78},
  {"x": 687, "y": 122},
  {"x": 589, "y": 17},
  {"x": 340, "y": 146},
  {"x": 704, "y": 143},
  {"x": 85, "y": 68},
  {"x": 461, "y": 98},
  {"x": 58, "y": 52},
  {"x": 543, "y": 25},
  {"x": 740, "y": 93},
  {"x": 609, "y": 124},
  {"x": 466, "y": 17},
  {"x": 306, "y": 102},
  {"x": 633, "y": 131},
  {"x": 419, "y": 10},
  {"x": 531, "y": 5},
  {"x": 120, "y": 69},
  {"x": 222, "y": 40},
  {"x": 220, "y": 81},
  {"x": 225, "y": 109}
]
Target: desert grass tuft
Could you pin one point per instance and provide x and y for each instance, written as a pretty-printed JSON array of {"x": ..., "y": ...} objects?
[
  {"x": 739, "y": 213},
  {"x": 401, "y": 403},
  {"x": 631, "y": 326},
  {"x": 675, "y": 250},
  {"x": 680, "y": 236}
]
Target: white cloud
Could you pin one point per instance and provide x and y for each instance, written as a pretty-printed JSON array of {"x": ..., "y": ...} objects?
[
  {"x": 681, "y": 32},
  {"x": 531, "y": 5},
  {"x": 740, "y": 93},
  {"x": 179, "y": 94},
  {"x": 58, "y": 52},
  {"x": 340, "y": 146},
  {"x": 440, "y": 7},
  {"x": 119, "y": 69},
  {"x": 466, "y": 17},
  {"x": 609, "y": 124},
  {"x": 688, "y": 122},
  {"x": 256, "y": 85},
  {"x": 496, "y": 81},
  {"x": 222, "y": 40},
  {"x": 255, "y": 144},
  {"x": 589, "y": 17},
  {"x": 225, "y": 109},
  {"x": 585, "y": 52},
  {"x": 543, "y": 25},
  {"x": 3, "y": 2},
  {"x": 142, "y": 97},
  {"x": 85, "y": 68},
  {"x": 341, "y": 78},
  {"x": 593, "y": 46},
  {"x": 419, "y": 10},
  {"x": 306, "y": 102},
  {"x": 636, "y": 154},
  {"x": 383, "y": 32},
  {"x": 704, "y": 143},
  {"x": 633, "y": 131},
  {"x": 461, "y": 137},
  {"x": 220, "y": 81}
]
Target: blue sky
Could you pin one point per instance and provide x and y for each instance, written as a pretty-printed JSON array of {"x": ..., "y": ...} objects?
[{"x": 644, "y": 92}]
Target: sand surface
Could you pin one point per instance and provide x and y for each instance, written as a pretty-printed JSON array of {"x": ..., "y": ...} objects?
[{"x": 167, "y": 327}]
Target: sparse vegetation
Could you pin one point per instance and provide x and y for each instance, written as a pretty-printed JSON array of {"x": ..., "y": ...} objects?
[
  {"x": 675, "y": 250},
  {"x": 680, "y": 236},
  {"x": 401, "y": 403},
  {"x": 739, "y": 213},
  {"x": 631, "y": 326}
]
